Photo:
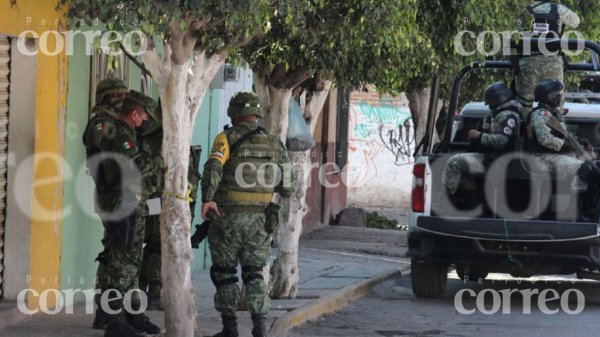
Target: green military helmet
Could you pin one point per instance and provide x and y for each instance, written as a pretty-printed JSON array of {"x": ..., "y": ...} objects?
[
  {"x": 244, "y": 104},
  {"x": 109, "y": 87},
  {"x": 149, "y": 104}
]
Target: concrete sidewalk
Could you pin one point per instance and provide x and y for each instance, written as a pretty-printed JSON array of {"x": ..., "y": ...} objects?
[{"x": 337, "y": 265}]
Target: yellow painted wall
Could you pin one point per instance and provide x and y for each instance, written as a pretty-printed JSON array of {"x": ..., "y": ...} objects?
[{"x": 51, "y": 89}]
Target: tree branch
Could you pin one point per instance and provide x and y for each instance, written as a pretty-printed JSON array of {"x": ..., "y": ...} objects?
[
  {"x": 176, "y": 41},
  {"x": 296, "y": 77},
  {"x": 277, "y": 76},
  {"x": 157, "y": 68}
]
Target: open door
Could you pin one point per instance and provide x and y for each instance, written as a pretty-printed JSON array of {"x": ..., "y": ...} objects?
[{"x": 425, "y": 143}]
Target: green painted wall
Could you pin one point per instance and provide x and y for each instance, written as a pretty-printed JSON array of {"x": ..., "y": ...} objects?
[{"x": 81, "y": 230}]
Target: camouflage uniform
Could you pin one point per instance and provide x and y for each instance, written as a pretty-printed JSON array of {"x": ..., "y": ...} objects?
[
  {"x": 239, "y": 235},
  {"x": 120, "y": 197},
  {"x": 537, "y": 67},
  {"x": 499, "y": 130},
  {"x": 547, "y": 146},
  {"x": 110, "y": 94}
]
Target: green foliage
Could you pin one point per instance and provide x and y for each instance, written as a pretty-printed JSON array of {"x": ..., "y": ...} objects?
[
  {"x": 440, "y": 21},
  {"x": 374, "y": 220},
  {"x": 217, "y": 24},
  {"x": 359, "y": 41}
]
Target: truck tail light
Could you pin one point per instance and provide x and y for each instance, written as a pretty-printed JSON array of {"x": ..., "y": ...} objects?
[{"x": 418, "y": 191}]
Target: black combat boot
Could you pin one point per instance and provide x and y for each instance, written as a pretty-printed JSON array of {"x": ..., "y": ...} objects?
[
  {"x": 101, "y": 319},
  {"x": 142, "y": 322},
  {"x": 119, "y": 327},
  {"x": 229, "y": 327},
  {"x": 259, "y": 326},
  {"x": 154, "y": 297}
]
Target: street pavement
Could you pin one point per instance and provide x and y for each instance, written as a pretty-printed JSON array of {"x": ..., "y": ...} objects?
[
  {"x": 331, "y": 259},
  {"x": 391, "y": 310}
]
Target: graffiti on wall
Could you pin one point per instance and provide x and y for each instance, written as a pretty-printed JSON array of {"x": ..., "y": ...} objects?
[
  {"x": 388, "y": 126},
  {"x": 381, "y": 144},
  {"x": 399, "y": 141}
]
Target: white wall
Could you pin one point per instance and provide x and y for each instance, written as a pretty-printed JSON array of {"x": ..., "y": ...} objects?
[
  {"x": 379, "y": 154},
  {"x": 244, "y": 83}
]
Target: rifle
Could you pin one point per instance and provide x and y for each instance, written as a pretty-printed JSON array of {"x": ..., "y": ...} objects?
[{"x": 581, "y": 152}]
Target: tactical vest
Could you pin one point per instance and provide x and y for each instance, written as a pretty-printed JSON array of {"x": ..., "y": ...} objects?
[
  {"x": 251, "y": 172},
  {"x": 514, "y": 138},
  {"x": 533, "y": 145},
  {"x": 551, "y": 19}
]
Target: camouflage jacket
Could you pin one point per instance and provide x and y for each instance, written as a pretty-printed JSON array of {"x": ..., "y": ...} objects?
[
  {"x": 500, "y": 127},
  {"x": 220, "y": 177},
  {"x": 120, "y": 158},
  {"x": 541, "y": 137}
]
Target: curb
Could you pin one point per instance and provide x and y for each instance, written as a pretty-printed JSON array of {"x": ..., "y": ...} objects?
[
  {"x": 331, "y": 302},
  {"x": 12, "y": 317}
]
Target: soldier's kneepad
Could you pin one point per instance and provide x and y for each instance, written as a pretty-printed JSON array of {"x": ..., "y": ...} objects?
[
  {"x": 222, "y": 276},
  {"x": 250, "y": 273}
]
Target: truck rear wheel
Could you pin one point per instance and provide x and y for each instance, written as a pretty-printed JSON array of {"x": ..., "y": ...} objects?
[{"x": 428, "y": 279}]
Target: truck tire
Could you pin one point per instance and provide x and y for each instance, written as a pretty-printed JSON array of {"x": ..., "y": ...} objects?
[
  {"x": 428, "y": 279},
  {"x": 473, "y": 272}
]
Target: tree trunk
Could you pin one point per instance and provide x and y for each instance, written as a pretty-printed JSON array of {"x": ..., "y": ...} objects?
[
  {"x": 418, "y": 103},
  {"x": 181, "y": 88},
  {"x": 285, "y": 273},
  {"x": 276, "y": 103}
]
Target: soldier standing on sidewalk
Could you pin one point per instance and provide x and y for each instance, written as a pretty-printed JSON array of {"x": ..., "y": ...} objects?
[
  {"x": 243, "y": 218},
  {"x": 124, "y": 175}
]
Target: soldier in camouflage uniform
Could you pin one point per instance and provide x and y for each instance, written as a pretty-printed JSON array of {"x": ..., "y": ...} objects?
[
  {"x": 110, "y": 94},
  {"x": 555, "y": 153},
  {"x": 550, "y": 19},
  {"x": 242, "y": 225},
  {"x": 125, "y": 175},
  {"x": 497, "y": 136}
]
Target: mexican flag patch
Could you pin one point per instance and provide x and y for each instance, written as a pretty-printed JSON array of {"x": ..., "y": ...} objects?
[
  {"x": 100, "y": 126},
  {"x": 128, "y": 145}
]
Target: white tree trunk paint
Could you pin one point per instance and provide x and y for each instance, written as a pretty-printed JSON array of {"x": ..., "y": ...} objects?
[
  {"x": 181, "y": 89},
  {"x": 285, "y": 272}
]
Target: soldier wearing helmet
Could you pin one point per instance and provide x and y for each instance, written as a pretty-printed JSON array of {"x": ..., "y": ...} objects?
[
  {"x": 556, "y": 154},
  {"x": 549, "y": 21},
  {"x": 110, "y": 94},
  {"x": 498, "y": 134},
  {"x": 245, "y": 167},
  {"x": 124, "y": 175}
]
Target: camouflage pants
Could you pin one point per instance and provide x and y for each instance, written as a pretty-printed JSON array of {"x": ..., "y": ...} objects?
[
  {"x": 119, "y": 264},
  {"x": 532, "y": 70},
  {"x": 151, "y": 263},
  {"x": 460, "y": 164},
  {"x": 240, "y": 238},
  {"x": 565, "y": 167}
]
